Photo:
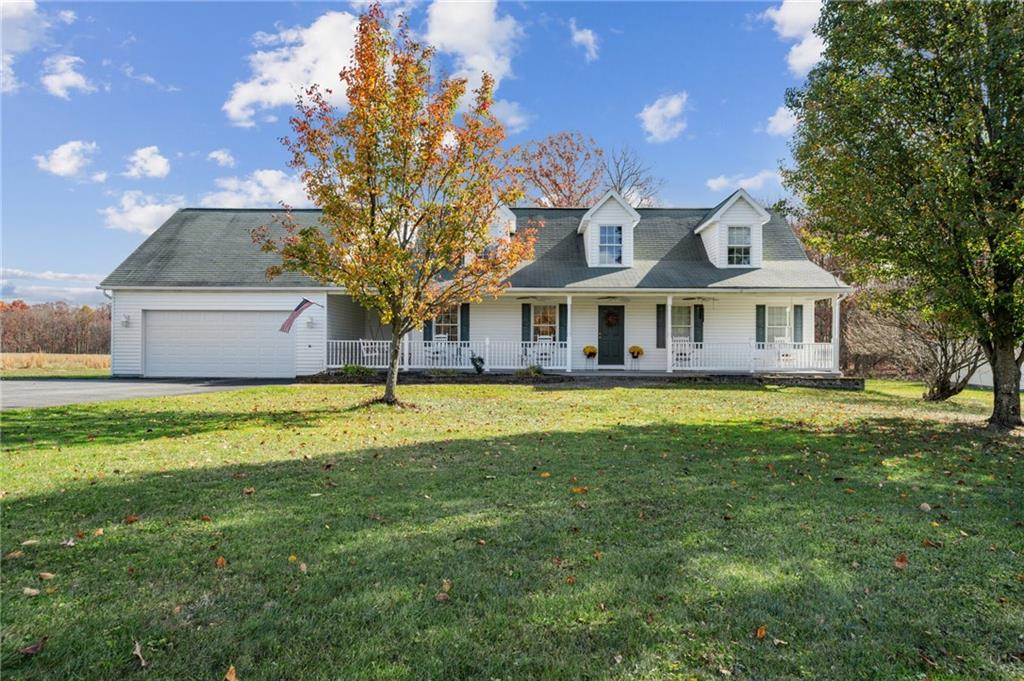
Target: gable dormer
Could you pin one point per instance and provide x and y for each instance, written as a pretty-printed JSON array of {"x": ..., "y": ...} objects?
[
  {"x": 607, "y": 230},
  {"x": 732, "y": 231}
]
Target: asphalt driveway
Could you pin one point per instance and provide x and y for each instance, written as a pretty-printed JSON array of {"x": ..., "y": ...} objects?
[{"x": 52, "y": 392}]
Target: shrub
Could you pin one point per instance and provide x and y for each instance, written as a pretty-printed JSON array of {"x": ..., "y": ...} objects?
[
  {"x": 531, "y": 371},
  {"x": 357, "y": 371}
]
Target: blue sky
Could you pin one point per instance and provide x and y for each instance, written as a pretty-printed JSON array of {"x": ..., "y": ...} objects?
[{"x": 114, "y": 115}]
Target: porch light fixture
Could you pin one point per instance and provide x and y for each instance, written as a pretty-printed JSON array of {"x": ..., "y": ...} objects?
[
  {"x": 309, "y": 322},
  {"x": 126, "y": 320}
]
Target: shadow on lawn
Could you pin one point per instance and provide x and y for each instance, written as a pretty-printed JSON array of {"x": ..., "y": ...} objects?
[{"x": 699, "y": 541}]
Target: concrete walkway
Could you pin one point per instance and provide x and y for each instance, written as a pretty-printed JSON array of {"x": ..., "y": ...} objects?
[{"x": 52, "y": 392}]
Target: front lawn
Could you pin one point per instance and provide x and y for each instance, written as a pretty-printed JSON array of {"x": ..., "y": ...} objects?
[{"x": 514, "y": 532}]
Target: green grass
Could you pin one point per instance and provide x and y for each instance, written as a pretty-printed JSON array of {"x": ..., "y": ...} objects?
[{"x": 708, "y": 512}]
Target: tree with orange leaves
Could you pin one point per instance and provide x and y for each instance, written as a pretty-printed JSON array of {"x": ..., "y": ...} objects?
[
  {"x": 563, "y": 170},
  {"x": 410, "y": 186}
]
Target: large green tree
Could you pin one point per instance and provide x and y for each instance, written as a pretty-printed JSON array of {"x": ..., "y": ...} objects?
[{"x": 909, "y": 155}]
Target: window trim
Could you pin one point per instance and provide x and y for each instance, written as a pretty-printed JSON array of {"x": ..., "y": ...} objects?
[
  {"x": 533, "y": 321},
  {"x": 788, "y": 335},
  {"x": 621, "y": 245},
  {"x": 672, "y": 332},
  {"x": 749, "y": 246},
  {"x": 457, "y": 311}
]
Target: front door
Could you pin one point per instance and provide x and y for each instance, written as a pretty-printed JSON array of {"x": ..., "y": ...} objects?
[{"x": 611, "y": 321}]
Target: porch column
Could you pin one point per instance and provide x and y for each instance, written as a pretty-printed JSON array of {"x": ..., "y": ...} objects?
[
  {"x": 568, "y": 334},
  {"x": 835, "y": 333},
  {"x": 668, "y": 334}
]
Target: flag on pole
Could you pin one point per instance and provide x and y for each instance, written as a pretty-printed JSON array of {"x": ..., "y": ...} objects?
[{"x": 299, "y": 309}]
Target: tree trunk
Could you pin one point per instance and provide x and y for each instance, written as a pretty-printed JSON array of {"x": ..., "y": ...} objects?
[
  {"x": 393, "y": 362},
  {"x": 1006, "y": 385}
]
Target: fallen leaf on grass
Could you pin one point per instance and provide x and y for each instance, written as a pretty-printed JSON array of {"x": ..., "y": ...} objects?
[
  {"x": 929, "y": 544},
  {"x": 35, "y": 648},
  {"x": 221, "y": 562},
  {"x": 46, "y": 576},
  {"x": 205, "y": 518},
  {"x": 579, "y": 490},
  {"x": 137, "y": 652},
  {"x": 131, "y": 518},
  {"x": 17, "y": 553},
  {"x": 901, "y": 562},
  {"x": 545, "y": 474},
  {"x": 68, "y": 543},
  {"x": 30, "y": 542},
  {"x": 231, "y": 675},
  {"x": 98, "y": 532},
  {"x": 302, "y": 568},
  {"x": 570, "y": 580},
  {"x": 761, "y": 631},
  {"x": 925, "y": 507},
  {"x": 649, "y": 618},
  {"x": 442, "y": 597},
  {"x": 292, "y": 558},
  {"x": 29, "y": 591},
  {"x": 446, "y": 585},
  {"x": 248, "y": 491},
  {"x": 598, "y": 555},
  {"x": 779, "y": 642}
]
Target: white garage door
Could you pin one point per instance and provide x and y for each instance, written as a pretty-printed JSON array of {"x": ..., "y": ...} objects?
[{"x": 218, "y": 344}]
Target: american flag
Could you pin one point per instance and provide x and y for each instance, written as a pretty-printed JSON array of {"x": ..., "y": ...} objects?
[{"x": 299, "y": 309}]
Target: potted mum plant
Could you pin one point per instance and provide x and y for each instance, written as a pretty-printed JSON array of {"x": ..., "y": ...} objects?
[
  {"x": 636, "y": 352},
  {"x": 590, "y": 352}
]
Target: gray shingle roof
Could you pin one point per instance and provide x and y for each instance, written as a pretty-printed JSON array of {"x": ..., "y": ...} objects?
[{"x": 213, "y": 248}]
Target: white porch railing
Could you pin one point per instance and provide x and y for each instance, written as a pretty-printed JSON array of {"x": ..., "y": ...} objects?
[
  {"x": 500, "y": 354},
  {"x": 756, "y": 357}
]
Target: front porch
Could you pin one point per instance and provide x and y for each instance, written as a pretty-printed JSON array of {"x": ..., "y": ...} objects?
[{"x": 688, "y": 334}]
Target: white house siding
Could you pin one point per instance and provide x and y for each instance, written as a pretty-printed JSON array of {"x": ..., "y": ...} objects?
[
  {"x": 982, "y": 378},
  {"x": 710, "y": 238},
  {"x": 127, "y": 341},
  {"x": 346, "y": 320},
  {"x": 610, "y": 213}
]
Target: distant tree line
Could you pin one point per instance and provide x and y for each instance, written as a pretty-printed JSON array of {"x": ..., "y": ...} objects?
[{"x": 54, "y": 328}]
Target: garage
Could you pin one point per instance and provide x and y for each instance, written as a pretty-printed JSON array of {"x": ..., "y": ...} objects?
[{"x": 217, "y": 344}]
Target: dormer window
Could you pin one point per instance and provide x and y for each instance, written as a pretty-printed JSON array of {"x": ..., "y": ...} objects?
[
  {"x": 610, "y": 245},
  {"x": 738, "y": 252}
]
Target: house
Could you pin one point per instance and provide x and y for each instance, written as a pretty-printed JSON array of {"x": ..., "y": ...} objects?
[{"x": 722, "y": 290}]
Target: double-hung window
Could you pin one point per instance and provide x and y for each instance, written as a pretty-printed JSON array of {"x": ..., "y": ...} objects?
[
  {"x": 545, "y": 322},
  {"x": 447, "y": 323},
  {"x": 682, "y": 323},
  {"x": 738, "y": 251},
  {"x": 610, "y": 245},
  {"x": 776, "y": 329}
]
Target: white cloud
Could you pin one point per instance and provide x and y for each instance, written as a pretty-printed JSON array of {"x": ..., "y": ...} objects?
[
  {"x": 305, "y": 55},
  {"x": 23, "y": 29},
  {"x": 478, "y": 38},
  {"x": 8, "y": 81},
  {"x": 585, "y": 38},
  {"x": 80, "y": 295},
  {"x": 139, "y": 212},
  {"x": 67, "y": 160},
  {"x": 60, "y": 76},
  {"x": 148, "y": 162},
  {"x": 67, "y": 16},
  {"x": 663, "y": 120},
  {"x": 129, "y": 71},
  {"x": 99, "y": 177},
  {"x": 782, "y": 122},
  {"x": 14, "y": 273},
  {"x": 794, "y": 20},
  {"x": 261, "y": 189},
  {"x": 511, "y": 115},
  {"x": 750, "y": 183},
  {"x": 222, "y": 157}
]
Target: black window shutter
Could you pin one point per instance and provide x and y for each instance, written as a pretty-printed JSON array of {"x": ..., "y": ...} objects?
[
  {"x": 464, "y": 322},
  {"x": 659, "y": 326},
  {"x": 527, "y": 323},
  {"x": 428, "y": 330},
  {"x": 759, "y": 334},
  {"x": 563, "y": 322},
  {"x": 698, "y": 323},
  {"x": 798, "y": 323}
]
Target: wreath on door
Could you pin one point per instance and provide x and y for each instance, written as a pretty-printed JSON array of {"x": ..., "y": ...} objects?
[{"x": 611, "y": 319}]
